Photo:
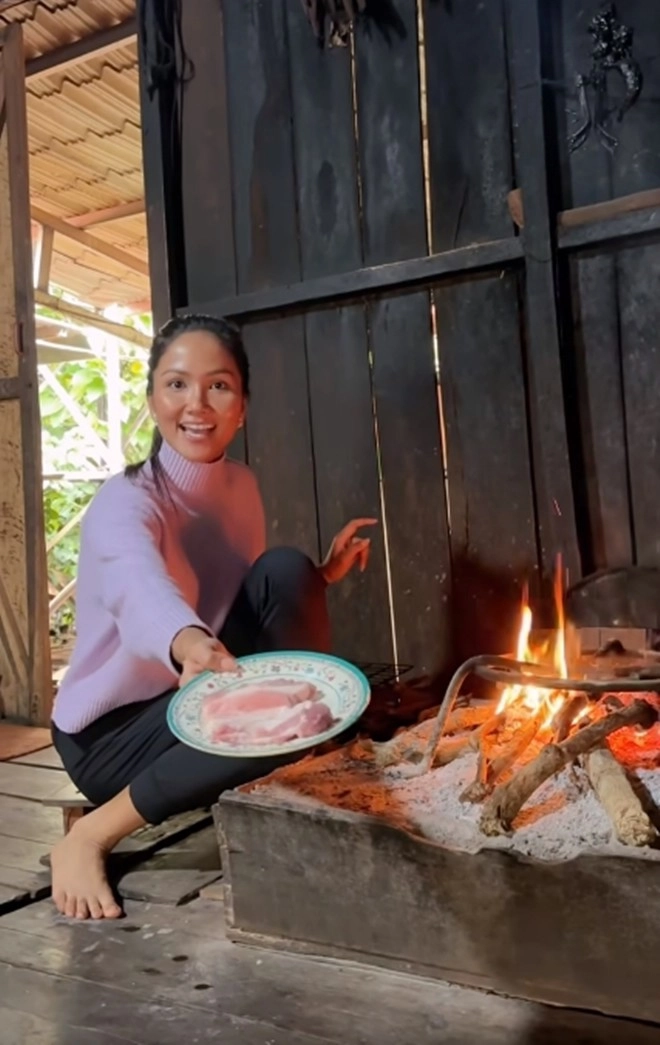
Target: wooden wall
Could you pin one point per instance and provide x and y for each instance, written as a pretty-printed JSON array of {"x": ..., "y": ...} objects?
[{"x": 415, "y": 354}]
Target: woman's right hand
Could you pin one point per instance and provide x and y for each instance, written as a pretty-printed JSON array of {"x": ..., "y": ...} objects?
[{"x": 197, "y": 652}]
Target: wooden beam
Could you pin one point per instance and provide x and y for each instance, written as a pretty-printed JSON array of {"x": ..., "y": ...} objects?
[
  {"x": 100, "y": 217},
  {"x": 92, "y": 319},
  {"x": 161, "y": 150},
  {"x": 613, "y": 231},
  {"x": 397, "y": 274},
  {"x": 94, "y": 45},
  {"x": 551, "y": 462},
  {"x": 91, "y": 242},
  {"x": 595, "y": 213},
  {"x": 44, "y": 258}
]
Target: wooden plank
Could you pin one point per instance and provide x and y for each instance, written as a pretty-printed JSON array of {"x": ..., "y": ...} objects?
[
  {"x": 21, "y": 854},
  {"x": 92, "y": 319},
  {"x": 205, "y": 156},
  {"x": 369, "y": 280},
  {"x": 595, "y": 212},
  {"x": 16, "y": 741},
  {"x": 88, "y": 240},
  {"x": 29, "y": 782},
  {"x": 404, "y": 379},
  {"x": 347, "y": 480},
  {"x": 636, "y": 168},
  {"x": 279, "y": 433},
  {"x": 47, "y": 758},
  {"x": 390, "y": 137},
  {"x": 312, "y": 1001},
  {"x": 470, "y": 155},
  {"x": 621, "y": 231},
  {"x": 171, "y": 887},
  {"x": 406, "y": 399},
  {"x": 594, "y": 364},
  {"x": 481, "y": 375},
  {"x": 21, "y": 818},
  {"x": 552, "y": 469},
  {"x": 22, "y": 1026},
  {"x": 325, "y": 153},
  {"x": 346, "y": 464},
  {"x": 259, "y": 103},
  {"x": 111, "y": 1014},
  {"x": 24, "y": 639},
  {"x": 602, "y": 419},
  {"x": 106, "y": 214},
  {"x": 45, "y": 258}
]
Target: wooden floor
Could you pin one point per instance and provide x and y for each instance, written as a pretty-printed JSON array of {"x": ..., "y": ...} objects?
[{"x": 166, "y": 975}]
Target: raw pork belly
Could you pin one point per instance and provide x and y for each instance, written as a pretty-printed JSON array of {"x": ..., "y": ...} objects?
[{"x": 271, "y": 712}]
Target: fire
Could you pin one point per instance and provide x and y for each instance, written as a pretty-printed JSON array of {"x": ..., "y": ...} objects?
[{"x": 526, "y": 699}]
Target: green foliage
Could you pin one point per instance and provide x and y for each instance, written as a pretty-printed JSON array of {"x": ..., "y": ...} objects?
[{"x": 68, "y": 449}]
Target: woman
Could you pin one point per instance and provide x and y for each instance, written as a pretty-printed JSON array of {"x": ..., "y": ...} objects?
[{"x": 174, "y": 580}]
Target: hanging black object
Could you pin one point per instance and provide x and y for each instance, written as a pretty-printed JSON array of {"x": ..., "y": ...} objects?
[
  {"x": 611, "y": 51},
  {"x": 332, "y": 20}
]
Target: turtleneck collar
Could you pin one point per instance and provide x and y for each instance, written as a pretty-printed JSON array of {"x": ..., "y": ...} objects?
[{"x": 192, "y": 477}]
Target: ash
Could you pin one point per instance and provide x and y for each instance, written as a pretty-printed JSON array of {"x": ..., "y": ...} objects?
[{"x": 562, "y": 820}]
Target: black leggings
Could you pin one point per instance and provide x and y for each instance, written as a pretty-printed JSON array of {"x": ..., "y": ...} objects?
[{"x": 280, "y": 606}]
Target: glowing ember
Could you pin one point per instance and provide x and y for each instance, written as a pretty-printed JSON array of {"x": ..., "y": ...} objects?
[{"x": 525, "y": 699}]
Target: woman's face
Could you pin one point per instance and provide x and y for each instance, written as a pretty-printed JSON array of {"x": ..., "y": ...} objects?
[{"x": 197, "y": 399}]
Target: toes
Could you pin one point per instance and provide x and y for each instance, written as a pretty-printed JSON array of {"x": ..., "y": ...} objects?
[
  {"x": 59, "y": 899},
  {"x": 82, "y": 910},
  {"x": 95, "y": 909},
  {"x": 111, "y": 908},
  {"x": 70, "y": 906}
]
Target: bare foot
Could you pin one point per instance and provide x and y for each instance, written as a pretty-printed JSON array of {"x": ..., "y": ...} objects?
[{"x": 80, "y": 885}]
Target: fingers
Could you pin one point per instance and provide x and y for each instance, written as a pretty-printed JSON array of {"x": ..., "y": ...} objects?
[{"x": 347, "y": 533}]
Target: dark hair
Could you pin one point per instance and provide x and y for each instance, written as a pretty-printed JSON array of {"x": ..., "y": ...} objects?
[{"x": 229, "y": 336}]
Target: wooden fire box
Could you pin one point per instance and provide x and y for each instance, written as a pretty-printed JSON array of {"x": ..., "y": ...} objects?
[{"x": 583, "y": 933}]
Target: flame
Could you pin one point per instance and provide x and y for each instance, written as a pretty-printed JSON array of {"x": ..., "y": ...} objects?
[{"x": 531, "y": 698}]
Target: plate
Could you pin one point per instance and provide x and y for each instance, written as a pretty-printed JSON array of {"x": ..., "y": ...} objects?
[{"x": 343, "y": 688}]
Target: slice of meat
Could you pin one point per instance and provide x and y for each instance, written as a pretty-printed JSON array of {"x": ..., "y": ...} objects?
[
  {"x": 274, "y": 726},
  {"x": 253, "y": 697}
]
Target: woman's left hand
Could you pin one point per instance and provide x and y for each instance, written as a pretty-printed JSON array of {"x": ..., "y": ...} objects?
[{"x": 347, "y": 550}]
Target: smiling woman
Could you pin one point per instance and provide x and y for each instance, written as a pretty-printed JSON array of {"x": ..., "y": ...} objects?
[{"x": 174, "y": 579}]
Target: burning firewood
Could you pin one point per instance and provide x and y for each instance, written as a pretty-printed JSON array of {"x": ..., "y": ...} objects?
[
  {"x": 507, "y": 799},
  {"x": 490, "y": 770},
  {"x": 617, "y": 797},
  {"x": 567, "y": 714}
]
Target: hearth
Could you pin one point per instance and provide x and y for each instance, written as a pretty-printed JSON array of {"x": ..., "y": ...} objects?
[{"x": 508, "y": 842}]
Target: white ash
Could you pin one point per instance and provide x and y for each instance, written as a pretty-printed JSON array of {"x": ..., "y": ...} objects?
[{"x": 562, "y": 819}]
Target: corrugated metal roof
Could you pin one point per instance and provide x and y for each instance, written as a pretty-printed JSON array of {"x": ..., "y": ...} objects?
[{"x": 85, "y": 143}]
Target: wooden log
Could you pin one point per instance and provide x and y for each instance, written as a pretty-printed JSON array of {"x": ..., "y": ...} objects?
[
  {"x": 493, "y": 769},
  {"x": 609, "y": 780},
  {"x": 508, "y": 799}
]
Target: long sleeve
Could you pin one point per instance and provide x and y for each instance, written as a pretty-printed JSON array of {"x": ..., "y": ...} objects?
[{"x": 122, "y": 531}]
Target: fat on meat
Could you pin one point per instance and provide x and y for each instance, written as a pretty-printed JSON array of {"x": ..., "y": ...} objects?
[{"x": 265, "y": 713}]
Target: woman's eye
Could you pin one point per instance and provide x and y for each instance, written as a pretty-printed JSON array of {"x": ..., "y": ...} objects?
[
  {"x": 221, "y": 385},
  {"x": 176, "y": 383}
]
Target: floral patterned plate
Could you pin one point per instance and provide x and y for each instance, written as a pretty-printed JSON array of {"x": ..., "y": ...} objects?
[{"x": 343, "y": 688}]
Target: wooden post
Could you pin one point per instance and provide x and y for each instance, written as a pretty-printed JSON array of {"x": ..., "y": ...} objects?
[
  {"x": 162, "y": 174},
  {"x": 25, "y": 674}
]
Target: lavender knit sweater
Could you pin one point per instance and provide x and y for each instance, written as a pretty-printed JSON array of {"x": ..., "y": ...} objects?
[{"x": 150, "y": 566}]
